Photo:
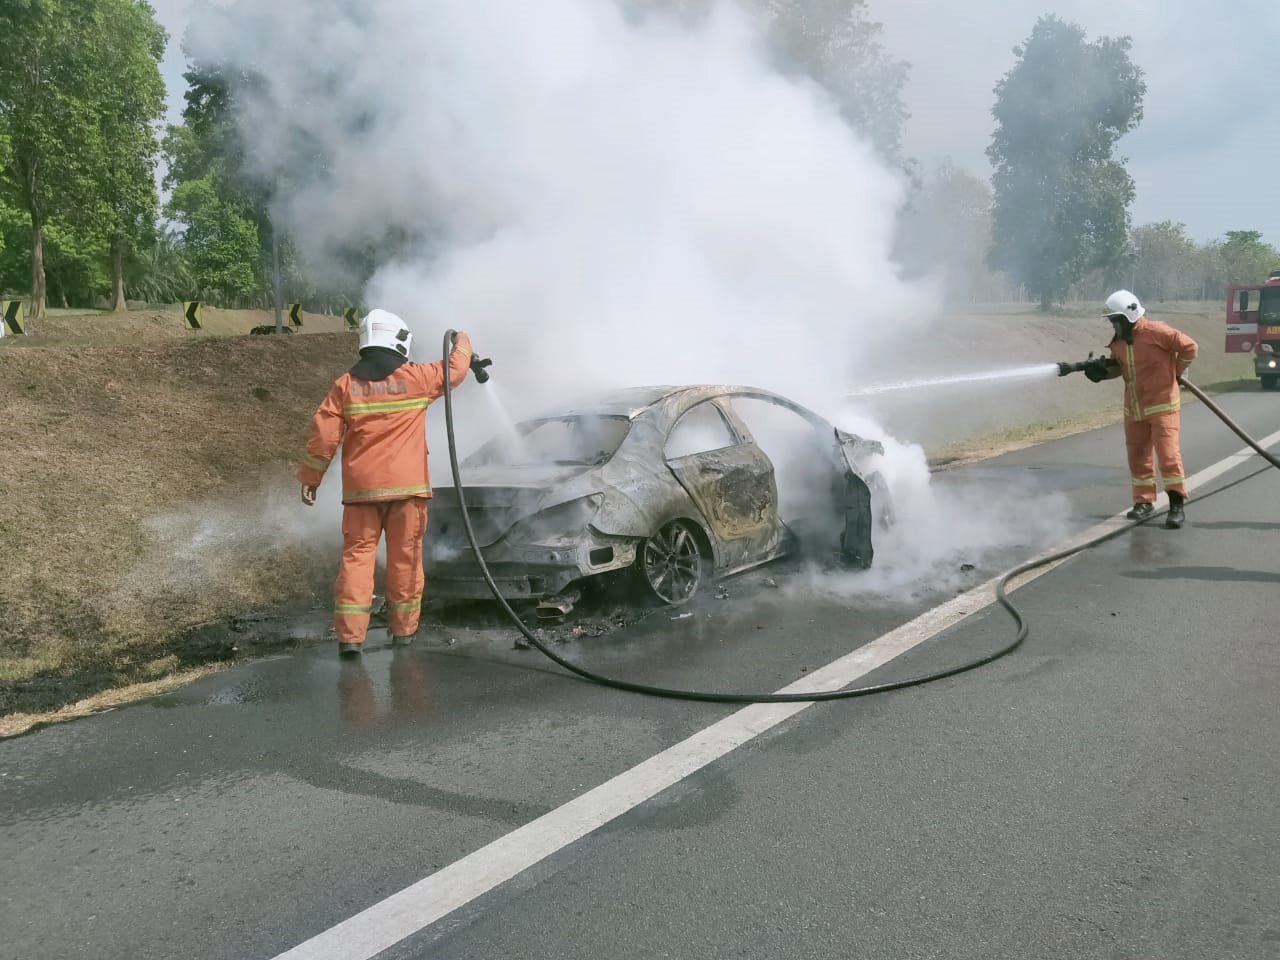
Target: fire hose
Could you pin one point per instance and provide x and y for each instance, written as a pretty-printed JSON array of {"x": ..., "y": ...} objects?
[{"x": 1001, "y": 587}]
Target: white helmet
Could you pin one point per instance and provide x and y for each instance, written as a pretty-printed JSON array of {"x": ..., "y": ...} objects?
[
  {"x": 381, "y": 328},
  {"x": 1124, "y": 302}
]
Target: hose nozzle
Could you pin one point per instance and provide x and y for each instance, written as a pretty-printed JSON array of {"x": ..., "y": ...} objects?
[
  {"x": 1095, "y": 368},
  {"x": 478, "y": 368}
]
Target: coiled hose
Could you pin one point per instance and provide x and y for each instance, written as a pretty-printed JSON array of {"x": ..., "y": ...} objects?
[{"x": 847, "y": 693}]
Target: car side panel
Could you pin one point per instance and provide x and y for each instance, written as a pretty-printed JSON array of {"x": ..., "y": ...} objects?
[{"x": 735, "y": 491}]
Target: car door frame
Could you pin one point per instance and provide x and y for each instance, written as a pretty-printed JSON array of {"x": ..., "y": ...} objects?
[
  {"x": 852, "y": 487},
  {"x": 743, "y": 519}
]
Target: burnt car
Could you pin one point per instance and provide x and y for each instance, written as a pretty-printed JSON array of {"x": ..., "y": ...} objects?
[{"x": 672, "y": 484}]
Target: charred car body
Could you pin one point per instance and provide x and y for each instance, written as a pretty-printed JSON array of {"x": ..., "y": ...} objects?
[{"x": 670, "y": 483}]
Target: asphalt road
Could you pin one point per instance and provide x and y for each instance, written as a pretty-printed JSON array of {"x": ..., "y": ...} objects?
[{"x": 1107, "y": 791}]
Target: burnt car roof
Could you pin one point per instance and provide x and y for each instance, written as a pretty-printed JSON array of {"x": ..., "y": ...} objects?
[{"x": 633, "y": 401}]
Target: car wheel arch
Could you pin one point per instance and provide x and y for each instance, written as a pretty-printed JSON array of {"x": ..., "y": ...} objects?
[{"x": 692, "y": 519}]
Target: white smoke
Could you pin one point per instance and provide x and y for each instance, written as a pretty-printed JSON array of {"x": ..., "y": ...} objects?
[{"x": 599, "y": 201}]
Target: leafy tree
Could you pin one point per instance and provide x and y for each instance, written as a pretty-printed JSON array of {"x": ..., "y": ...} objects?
[
  {"x": 127, "y": 191},
  {"x": 1244, "y": 257},
  {"x": 1165, "y": 262},
  {"x": 45, "y": 100},
  {"x": 837, "y": 44},
  {"x": 208, "y": 147},
  {"x": 212, "y": 199},
  {"x": 15, "y": 255},
  {"x": 1061, "y": 198},
  {"x": 159, "y": 271},
  {"x": 220, "y": 240},
  {"x": 75, "y": 263},
  {"x": 76, "y": 105}
]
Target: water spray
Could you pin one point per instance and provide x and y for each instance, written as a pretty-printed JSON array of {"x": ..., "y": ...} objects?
[{"x": 1017, "y": 373}]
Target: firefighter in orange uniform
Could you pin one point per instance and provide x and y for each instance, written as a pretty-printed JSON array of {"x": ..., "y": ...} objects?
[
  {"x": 377, "y": 411},
  {"x": 1150, "y": 356}
]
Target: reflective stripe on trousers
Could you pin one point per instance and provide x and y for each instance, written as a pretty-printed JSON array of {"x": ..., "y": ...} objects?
[
  {"x": 405, "y": 523},
  {"x": 1147, "y": 441}
]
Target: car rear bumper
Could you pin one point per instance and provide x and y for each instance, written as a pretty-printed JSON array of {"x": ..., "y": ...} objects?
[
  {"x": 526, "y": 572},
  {"x": 464, "y": 581}
]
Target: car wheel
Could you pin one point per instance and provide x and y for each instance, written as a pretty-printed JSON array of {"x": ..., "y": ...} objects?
[
  {"x": 1269, "y": 381},
  {"x": 672, "y": 563}
]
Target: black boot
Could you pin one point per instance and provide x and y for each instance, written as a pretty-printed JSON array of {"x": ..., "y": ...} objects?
[
  {"x": 1140, "y": 511},
  {"x": 1176, "y": 515}
]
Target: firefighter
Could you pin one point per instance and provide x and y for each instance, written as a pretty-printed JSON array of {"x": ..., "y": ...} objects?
[
  {"x": 377, "y": 412},
  {"x": 1150, "y": 356}
]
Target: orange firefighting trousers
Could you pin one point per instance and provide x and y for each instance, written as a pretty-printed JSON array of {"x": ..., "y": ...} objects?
[
  {"x": 1155, "y": 438},
  {"x": 405, "y": 523}
]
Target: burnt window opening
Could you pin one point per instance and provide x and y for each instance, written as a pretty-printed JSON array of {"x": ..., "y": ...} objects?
[
  {"x": 579, "y": 441},
  {"x": 701, "y": 429}
]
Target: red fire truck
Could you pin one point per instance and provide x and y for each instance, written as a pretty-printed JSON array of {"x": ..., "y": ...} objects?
[{"x": 1253, "y": 326}]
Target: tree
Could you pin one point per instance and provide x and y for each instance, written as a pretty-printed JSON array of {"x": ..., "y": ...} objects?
[
  {"x": 75, "y": 259},
  {"x": 221, "y": 210},
  {"x": 1244, "y": 257},
  {"x": 1165, "y": 262},
  {"x": 127, "y": 196},
  {"x": 836, "y": 44},
  {"x": 76, "y": 105},
  {"x": 220, "y": 240},
  {"x": 160, "y": 273},
  {"x": 1061, "y": 198},
  {"x": 209, "y": 147},
  {"x": 43, "y": 96}
]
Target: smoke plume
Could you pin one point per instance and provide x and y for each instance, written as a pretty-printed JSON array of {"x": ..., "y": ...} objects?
[{"x": 599, "y": 200}]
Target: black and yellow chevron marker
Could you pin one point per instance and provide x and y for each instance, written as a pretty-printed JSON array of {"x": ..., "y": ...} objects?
[
  {"x": 352, "y": 316},
  {"x": 191, "y": 310},
  {"x": 295, "y": 314},
  {"x": 12, "y": 310}
]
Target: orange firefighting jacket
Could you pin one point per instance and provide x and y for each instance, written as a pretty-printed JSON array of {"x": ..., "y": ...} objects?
[
  {"x": 381, "y": 425},
  {"x": 1151, "y": 366}
]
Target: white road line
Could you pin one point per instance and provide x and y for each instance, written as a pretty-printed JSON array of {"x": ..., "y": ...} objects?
[{"x": 416, "y": 907}]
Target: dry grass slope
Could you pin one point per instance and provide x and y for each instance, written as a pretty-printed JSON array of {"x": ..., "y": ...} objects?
[{"x": 99, "y": 440}]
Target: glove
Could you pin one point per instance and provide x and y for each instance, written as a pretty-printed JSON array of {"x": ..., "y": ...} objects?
[{"x": 1097, "y": 370}]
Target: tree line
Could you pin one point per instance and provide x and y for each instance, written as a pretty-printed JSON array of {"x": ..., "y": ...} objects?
[{"x": 82, "y": 222}]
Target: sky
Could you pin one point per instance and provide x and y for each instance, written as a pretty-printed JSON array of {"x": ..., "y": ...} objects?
[{"x": 1204, "y": 154}]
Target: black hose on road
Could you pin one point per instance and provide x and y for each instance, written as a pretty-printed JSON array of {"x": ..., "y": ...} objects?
[{"x": 712, "y": 697}]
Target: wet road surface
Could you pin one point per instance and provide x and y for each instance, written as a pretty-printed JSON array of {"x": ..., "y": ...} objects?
[{"x": 1107, "y": 791}]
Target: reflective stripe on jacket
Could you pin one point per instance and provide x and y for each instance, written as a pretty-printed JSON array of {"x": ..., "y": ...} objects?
[
  {"x": 1151, "y": 366},
  {"x": 382, "y": 428}
]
